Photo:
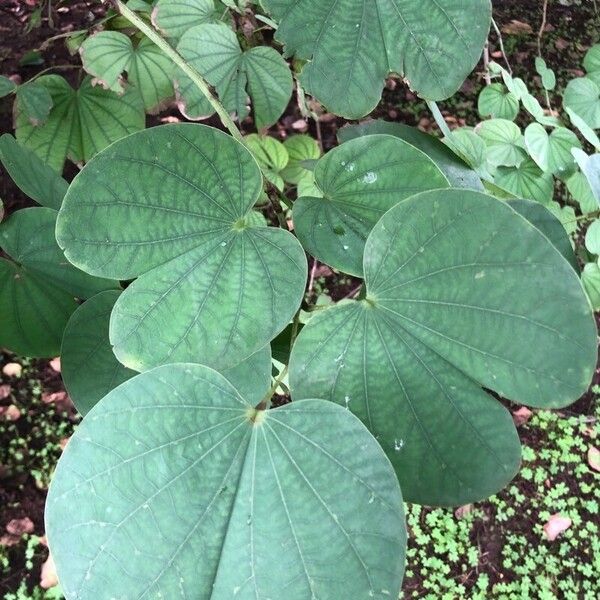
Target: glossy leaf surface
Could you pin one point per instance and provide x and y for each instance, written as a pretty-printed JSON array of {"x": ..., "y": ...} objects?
[
  {"x": 222, "y": 502},
  {"x": 172, "y": 206},
  {"x": 360, "y": 181},
  {"x": 462, "y": 293}
]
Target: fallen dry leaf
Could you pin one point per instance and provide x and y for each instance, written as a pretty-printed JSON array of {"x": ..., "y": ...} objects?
[
  {"x": 5, "y": 391},
  {"x": 20, "y": 526},
  {"x": 594, "y": 458},
  {"x": 10, "y": 413},
  {"x": 462, "y": 511},
  {"x": 60, "y": 399},
  {"x": 517, "y": 28},
  {"x": 300, "y": 125},
  {"x": 55, "y": 364},
  {"x": 48, "y": 577},
  {"x": 555, "y": 526},
  {"x": 521, "y": 416},
  {"x": 12, "y": 369}
]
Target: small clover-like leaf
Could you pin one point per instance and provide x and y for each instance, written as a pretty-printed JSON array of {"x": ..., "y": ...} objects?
[
  {"x": 175, "y": 475},
  {"x": 463, "y": 293},
  {"x": 171, "y": 206},
  {"x": 353, "y": 45},
  {"x": 107, "y": 54},
  {"x": 360, "y": 181},
  {"x": 81, "y": 123},
  {"x": 38, "y": 286}
]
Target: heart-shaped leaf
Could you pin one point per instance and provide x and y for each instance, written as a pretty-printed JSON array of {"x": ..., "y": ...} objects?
[
  {"x": 552, "y": 153},
  {"x": 108, "y": 54},
  {"x": 497, "y": 102},
  {"x": 590, "y": 167},
  {"x": 271, "y": 155},
  {"x": 360, "y": 180},
  {"x": 300, "y": 148},
  {"x": 592, "y": 237},
  {"x": 456, "y": 170},
  {"x": 582, "y": 96},
  {"x": 504, "y": 141},
  {"x": 81, "y": 123},
  {"x": 223, "y": 501},
  {"x": 352, "y": 46},
  {"x": 174, "y": 17},
  {"x": 260, "y": 73},
  {"x": 39, "y": 286},
  {"x": 526, "y": 181},
  {"x": 31, "y": 175},
  {"x": 171, "y": 206},
  {"x": 462, "y": 293},
  {"x": 591, "y": 281}
]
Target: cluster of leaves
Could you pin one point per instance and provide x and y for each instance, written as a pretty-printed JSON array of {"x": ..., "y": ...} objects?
[{"x": 186, "y": 482}]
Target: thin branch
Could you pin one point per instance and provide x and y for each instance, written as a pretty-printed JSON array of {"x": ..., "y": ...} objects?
[
  {"x": 501, "y": 44},
  {"x": 542, "y": 27},
  {"x": 486, "y": 63},
  {"x": 311, "y": 281}
]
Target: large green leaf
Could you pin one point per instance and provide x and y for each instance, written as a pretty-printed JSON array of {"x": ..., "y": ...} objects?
[
  {"x": 107, "y": 54},
  {"x": 360, "y": 180},
  {"x": 260, "y": 73},
  {"x": 184, "y": 490},
  {"x": 458, "y": 173},
  {"x": 38, "y": 289},
  {"x": 353, "y": 45},
  {"x": 32, "y": 176},
  {"x": 582, "y": 96},
  {"x": 81, "y": 123},
  {"x": 171, "y": 206},
  {"x": 88, "y": 366},
  {"x": 462, "y": 293}
]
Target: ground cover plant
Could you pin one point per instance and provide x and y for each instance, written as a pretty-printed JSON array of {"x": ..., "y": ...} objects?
[{"x": 170, "y": 274}]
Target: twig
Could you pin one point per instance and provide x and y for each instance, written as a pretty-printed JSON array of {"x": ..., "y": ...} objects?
[
  {"x": 353, "y": 293},
  {"x": 539, "y": 45},
  {"x": 311, "y": 280},
  {"x": 486, "y": 63},
  {"x": 501, "y": 44}
]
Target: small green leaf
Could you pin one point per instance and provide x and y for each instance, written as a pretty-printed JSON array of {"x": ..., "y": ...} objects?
[
  {"x": 586, "y": 131},
  {"x": 81, "y": 123},
  {"x": 31, "y": 175},
  {"x": 591, "y": 61},
  {"x": 456, "y": 170},
  {"x": 6, "y": 86},
  {"x": 171, "y": 207},
  {"x": 470, "y": 147},
  {"x": 592, "y": 237},
  {"x": 360, "y": 180},
  {"x": 231, "y": 502},
  {"x": 39, "y": 286},
  {"x": 175, "y": 17},
  {"x": 299, "y": 148},
  {"x": 462, "y": 293},
  {"x": 526, "y": 181},
  {"x": 547, "y": 75},
  {"x": 260, "y": 73},
  {"x": 590, "y": 167},
  {"x": 552, "y": 153},
  {"x": 271, "y": 155},
  {"x": 351, "y": 46},
  {"x": 108, "y": 54},
  {"x": 581, "y": 191},
  {"x": 497, "y": 102},
  {"x": 591, "y": 281},
  {"x": 582, "y": 96},
  {"x": 504, "y": 142}
]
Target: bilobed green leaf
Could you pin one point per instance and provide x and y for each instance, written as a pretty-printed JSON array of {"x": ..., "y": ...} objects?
[
  {"x": 175, "y": 17},
  {"x": 222, "y": 501},
  {"x": 300, "y": 148},
  {"x": 38, "y": 286},
  {"x": 6, "y": 86},
  {"x": 497, "y": 102},
  {"x": 526, "y": 181},
  {"x": 108, "y": 54},
  {"x": 352, "y": 46},
  {"x": 504, "y": 142},
  {"x": 552, "y": 153},
  {"x": 271, "y": 155},
  {"x": 582, "y": 96},
  {"x": 88, "y": 366},
  {"x": 35, "y": 102},
  {"x": 31, "y": 175},
  {"x": 260, "y": 73},
  {"x": 360, "y": 180},
  {"x": 462, "y": 293},
  {"x": 171, "y": 207},
  {"x": 81, "y": 123},
  {"x": 458, "y": 173}
]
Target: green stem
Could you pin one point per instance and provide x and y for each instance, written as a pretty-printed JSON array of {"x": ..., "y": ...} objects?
[
  {"x": 265, "y": 403},
  {"x": 198, "y": 80},
  {"x": 439, "y": 118}
]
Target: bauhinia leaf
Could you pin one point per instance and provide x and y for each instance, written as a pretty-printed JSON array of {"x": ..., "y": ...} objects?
[
  {"x": 526, "y": 181},
  {"x": 222, "y": 501},
  {"x": 360, "y": 180},
  {"x": 171, "y": 206},
  {"x": 38, "y": 286},
  {"x": 108, "y": 54},
  {"x": 260, "y": 73},
  {"x": 353, "y": 45},
  {"x": 174, "y": 17},
  {"x": 81, "y": 123},
  {"x": 458, "y": 173},
  {"x": 31, "y": 175},
  {"x": 271, "y": 155},
  {"x": 462, "y": 293}
]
